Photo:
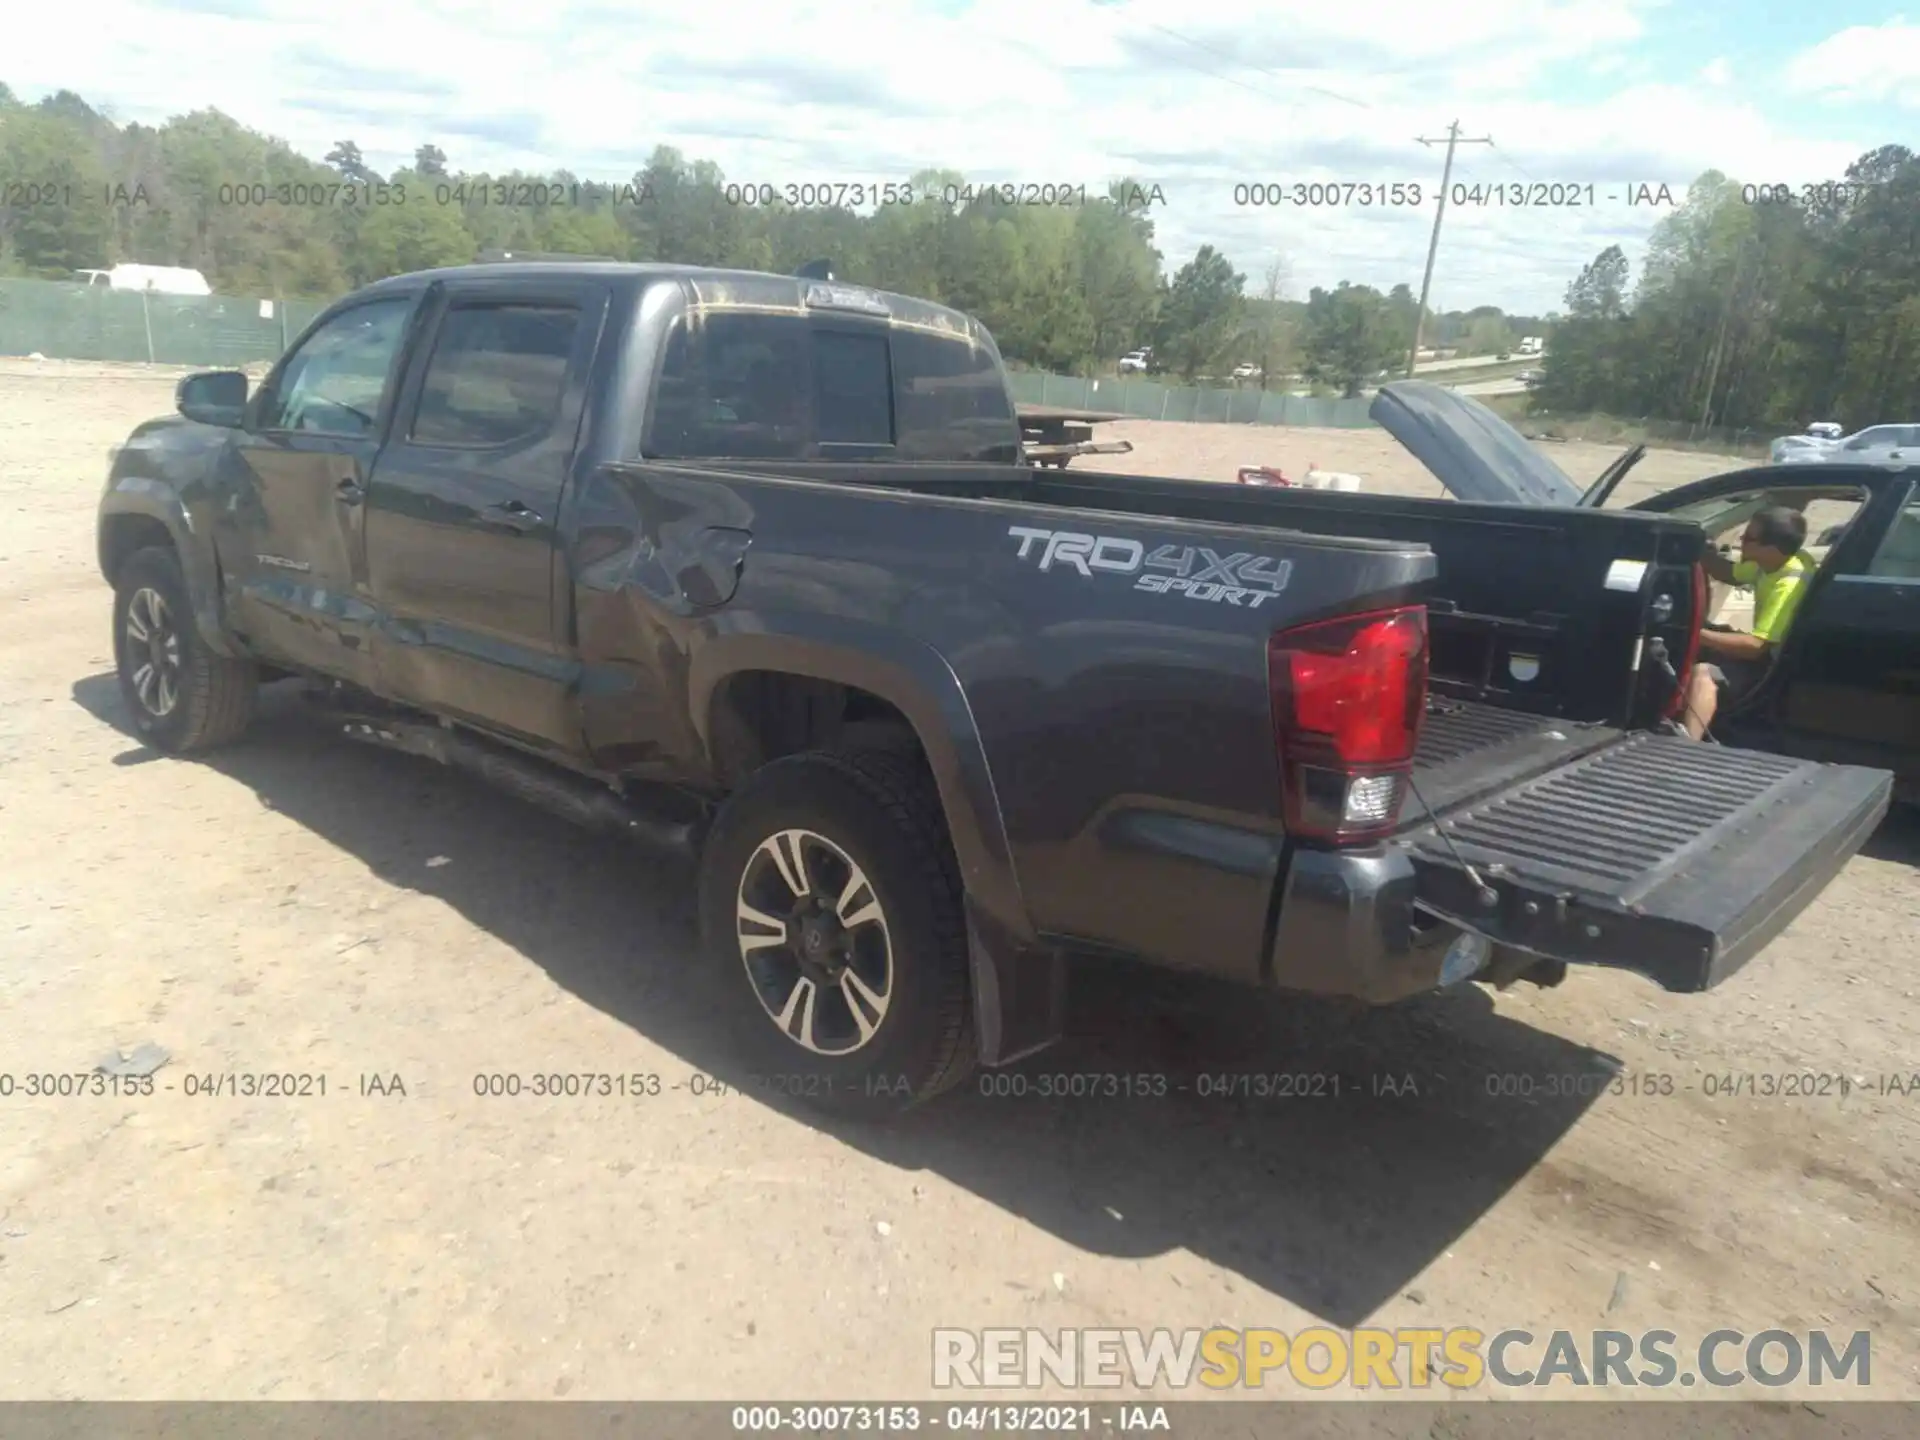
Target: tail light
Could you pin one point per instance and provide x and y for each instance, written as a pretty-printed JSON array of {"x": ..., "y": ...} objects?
[
  {"x": 1702, "y": 594},
  {"x": 1348, "y": 699}
]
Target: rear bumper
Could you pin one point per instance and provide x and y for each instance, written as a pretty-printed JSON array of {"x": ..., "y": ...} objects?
[
  {"x": 1349, "y": 926},
  {"x": 1675, "y": 860}
]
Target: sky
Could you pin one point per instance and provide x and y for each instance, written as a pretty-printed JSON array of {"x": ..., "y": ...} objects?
[{"x": 1205, "y": 101}]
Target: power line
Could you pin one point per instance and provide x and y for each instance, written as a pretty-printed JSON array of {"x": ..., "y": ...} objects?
[
  {"x": 1453, "y": 138},
  {"x": 1231, "y": 59},
  {"x": 1509, "y": 162},
  {"x": 1035, "y": 53},
  {"x": 1236, "y": 61}
]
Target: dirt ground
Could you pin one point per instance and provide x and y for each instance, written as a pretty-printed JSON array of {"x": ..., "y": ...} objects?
[{"x": 301, "y": 906}]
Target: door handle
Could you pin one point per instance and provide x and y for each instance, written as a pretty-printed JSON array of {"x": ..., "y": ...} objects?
[
  {"x": 510, "y": 515},
  {"x": 349, "y": 491}
]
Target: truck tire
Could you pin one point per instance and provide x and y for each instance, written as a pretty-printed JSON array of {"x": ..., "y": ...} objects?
[
  {"x": 877, "y": 1015},
  {"x": 181, "y": 696}
]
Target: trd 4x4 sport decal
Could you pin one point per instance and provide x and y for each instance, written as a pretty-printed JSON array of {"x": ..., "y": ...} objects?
[{"x": 1193, "y": 571}]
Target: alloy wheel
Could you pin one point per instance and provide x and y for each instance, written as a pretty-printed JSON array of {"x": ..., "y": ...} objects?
[
  {"x": 153, "y": 654},
  {"x": 815, "y": 942}
]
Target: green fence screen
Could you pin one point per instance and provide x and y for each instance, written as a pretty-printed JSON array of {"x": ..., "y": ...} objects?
[
  {"x": 78, "y": 322},
  {"x": 81, "y": 322}
]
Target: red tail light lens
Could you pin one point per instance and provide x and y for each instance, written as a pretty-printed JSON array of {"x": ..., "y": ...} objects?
[{"x": 1348, "y": 699}]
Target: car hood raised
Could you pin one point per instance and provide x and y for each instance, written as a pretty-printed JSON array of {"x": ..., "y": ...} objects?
[{"x": 1469, "y": 449}]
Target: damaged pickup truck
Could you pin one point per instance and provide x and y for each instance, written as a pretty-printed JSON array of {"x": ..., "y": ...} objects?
[{"x": 753, "y": 568}]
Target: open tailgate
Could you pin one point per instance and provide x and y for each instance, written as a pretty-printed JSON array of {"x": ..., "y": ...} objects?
[{"x": 1657, "y": 854}]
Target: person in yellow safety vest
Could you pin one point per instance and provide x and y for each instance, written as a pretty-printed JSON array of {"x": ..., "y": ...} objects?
[{"x": 1734, "y": 661}]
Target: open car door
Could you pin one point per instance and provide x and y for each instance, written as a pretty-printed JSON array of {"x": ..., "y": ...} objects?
[{"x": 1848, "y": 688}]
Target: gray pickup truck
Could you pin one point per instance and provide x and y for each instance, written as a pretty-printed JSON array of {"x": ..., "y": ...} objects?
[{"x": 753, "y": 568}]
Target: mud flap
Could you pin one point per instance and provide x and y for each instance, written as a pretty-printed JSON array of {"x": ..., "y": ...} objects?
[
  {"x": 1677, "y": 860},
  {"x": 1019, "y": 992}
]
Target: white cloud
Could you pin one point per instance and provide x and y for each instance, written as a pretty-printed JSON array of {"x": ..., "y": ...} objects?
[
  {"x": 1862, "y": 62},
  {"x": 1194, "y": 99},
  {"x": 1717, "y": 71}
]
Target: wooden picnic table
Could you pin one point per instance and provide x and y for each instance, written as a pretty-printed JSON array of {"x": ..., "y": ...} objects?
[{"x": 1054, "y": 435}]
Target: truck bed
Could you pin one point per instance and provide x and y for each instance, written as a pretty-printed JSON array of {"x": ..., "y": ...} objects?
[
  {"x": 1456, "y": 730},
  {"x": 1542, "y": 611},
  {"x": 1130, "y": 743},
  {"x": 1468, "y": 748}
]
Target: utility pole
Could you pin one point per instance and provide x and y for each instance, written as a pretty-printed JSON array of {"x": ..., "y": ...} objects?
[{"x": 1453, "y": 138}]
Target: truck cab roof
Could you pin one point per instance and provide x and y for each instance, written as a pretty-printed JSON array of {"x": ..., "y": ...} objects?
[
  {"x": 712, "y": 287},
  {"x": 758, "y": 354}
]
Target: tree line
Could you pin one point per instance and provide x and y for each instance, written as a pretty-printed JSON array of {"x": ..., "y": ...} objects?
[
  {"x": 1757, "y": 307},
  {"x": 1064, "y": 287},
  {"x": 1747, "y": 312}
]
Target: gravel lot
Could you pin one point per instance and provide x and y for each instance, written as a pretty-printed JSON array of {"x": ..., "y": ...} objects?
[{"x": 300, "y": 905}]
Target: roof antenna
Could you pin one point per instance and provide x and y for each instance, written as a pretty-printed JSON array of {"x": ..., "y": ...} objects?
[{"x": 815, "y": 270}]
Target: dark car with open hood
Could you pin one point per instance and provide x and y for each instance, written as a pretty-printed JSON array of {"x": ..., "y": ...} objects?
[
  {"x": 1844, "y": 685},
  {"x": 754, "y": 569}
]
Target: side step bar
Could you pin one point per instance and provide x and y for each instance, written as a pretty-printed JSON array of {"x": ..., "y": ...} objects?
[{"x": 575, "y": 798}]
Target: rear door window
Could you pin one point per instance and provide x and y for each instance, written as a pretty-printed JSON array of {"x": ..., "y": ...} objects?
[{"x": 497, "y": 375}]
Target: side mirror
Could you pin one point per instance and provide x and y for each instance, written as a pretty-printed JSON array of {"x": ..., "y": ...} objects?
[{"x": 213, "y": 397}]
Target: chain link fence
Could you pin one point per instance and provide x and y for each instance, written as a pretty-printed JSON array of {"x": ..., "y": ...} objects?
[{"x": 65, "y": 321}]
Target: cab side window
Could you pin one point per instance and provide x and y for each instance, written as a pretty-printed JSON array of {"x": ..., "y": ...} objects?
[
  {"x": 952, "y": 402},
  {"x": 734, "y": 387},
  {"x": 756, "y": 386},
  {"x": 334, "y": 382}
]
